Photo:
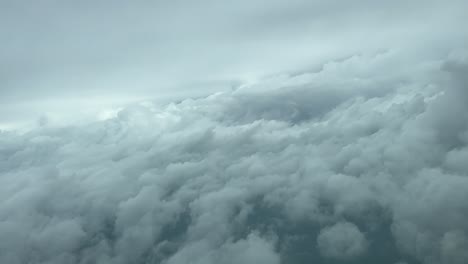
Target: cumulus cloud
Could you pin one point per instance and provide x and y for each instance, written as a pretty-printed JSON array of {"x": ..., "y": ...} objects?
[
  {"x": 364, "y": 159},
  {"x": 342, "y": 241}
]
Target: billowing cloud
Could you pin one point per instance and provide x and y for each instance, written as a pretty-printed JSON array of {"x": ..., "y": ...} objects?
[
  {"x": 363, "y": 160},
  {"x": 342, "y": 241}
]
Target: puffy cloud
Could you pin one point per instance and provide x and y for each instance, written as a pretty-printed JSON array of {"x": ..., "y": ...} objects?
[
  {"x": 250, "y": 250},
  {"x": 342, "y": 241},
  {"x": 362, "y": 160}
]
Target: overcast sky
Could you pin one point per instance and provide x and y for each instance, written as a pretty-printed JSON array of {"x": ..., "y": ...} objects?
[
  {"x": 70, "y": 57},
  {"x": 234, "y": 132}
]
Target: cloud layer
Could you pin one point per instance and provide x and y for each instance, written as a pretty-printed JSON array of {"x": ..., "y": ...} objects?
[{"x": 362, "y": 161}]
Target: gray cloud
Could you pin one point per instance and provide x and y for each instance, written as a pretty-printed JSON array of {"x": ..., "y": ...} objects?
[
  {"x": 234, "y": 132},
  {"x": 281, "y": 171},
  {"x": 342, "y": 241}
]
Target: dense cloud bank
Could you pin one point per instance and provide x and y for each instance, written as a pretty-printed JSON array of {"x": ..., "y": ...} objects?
[{"x": 362, "y": 161}]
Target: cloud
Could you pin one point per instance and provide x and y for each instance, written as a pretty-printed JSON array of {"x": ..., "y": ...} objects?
[
  {"x": 250, "y": 250},
  {"x": 363, "y": 158},
  {"x": 341, "y": 241}
]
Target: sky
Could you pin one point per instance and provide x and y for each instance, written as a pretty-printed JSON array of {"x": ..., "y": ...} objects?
[
  {"x": 66, "y": 59},
  {"x": 216, "y": 132}
]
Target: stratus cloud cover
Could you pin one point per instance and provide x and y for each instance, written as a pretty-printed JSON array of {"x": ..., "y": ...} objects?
[{"x": 369, "y": 167}]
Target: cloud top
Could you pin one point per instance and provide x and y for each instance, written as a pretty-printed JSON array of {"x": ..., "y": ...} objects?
[{"x": 363, "y": 160}]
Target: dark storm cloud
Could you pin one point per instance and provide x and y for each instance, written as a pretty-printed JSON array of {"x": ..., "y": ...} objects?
[{"x": 374, "y": 174}]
